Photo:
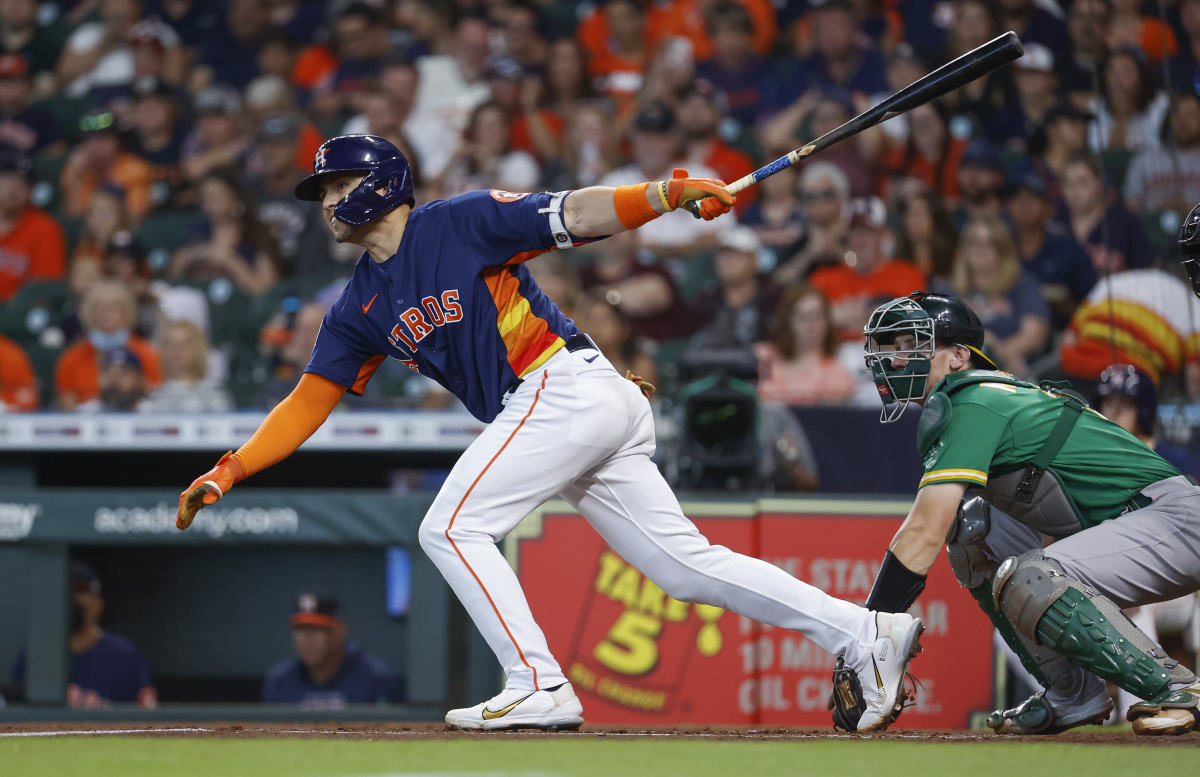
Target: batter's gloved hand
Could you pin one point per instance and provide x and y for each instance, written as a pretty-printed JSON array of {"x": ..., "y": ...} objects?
[
  {"x": 208, "y": 488},
  {"x": 709, "y": 195}
]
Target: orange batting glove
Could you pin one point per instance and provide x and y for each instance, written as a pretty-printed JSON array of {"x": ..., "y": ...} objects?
[
  {"x": 709, "y": 194},
  {"x": 208, "y": 488}
]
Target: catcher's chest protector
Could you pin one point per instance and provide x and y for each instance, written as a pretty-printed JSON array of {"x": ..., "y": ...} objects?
[{"x": 1031, "y": 494}]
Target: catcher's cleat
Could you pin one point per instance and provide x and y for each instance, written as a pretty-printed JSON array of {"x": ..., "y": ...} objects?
[
  {"x": 870, "y": 696},
  {"x": 1041, "y": 714},
  {"x": 553, "y": 708},
  {"x": 1170, "y": 712}
]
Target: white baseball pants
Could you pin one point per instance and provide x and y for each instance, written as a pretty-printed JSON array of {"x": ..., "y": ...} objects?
[{"x": 576, "y": 428}]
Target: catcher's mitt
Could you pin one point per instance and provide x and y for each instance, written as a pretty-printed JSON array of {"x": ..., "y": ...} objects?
[{"x": 847, "y": 701}]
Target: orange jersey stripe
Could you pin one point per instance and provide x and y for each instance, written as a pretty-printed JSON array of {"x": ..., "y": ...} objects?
[
  {"x": 527, "y": 337},
  {"x": 365, "y": 372}
]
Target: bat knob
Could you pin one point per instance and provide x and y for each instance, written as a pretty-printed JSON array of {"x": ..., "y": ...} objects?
[{"x": 693, "y": 208}]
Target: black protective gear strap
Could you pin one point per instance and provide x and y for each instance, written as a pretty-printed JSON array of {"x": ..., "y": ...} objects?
[
  {"x": 896, "y": 586},
  {"x": 1073, "y": 405}
]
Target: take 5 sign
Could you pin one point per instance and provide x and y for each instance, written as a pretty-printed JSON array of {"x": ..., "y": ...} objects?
[{"x": 635, "y": 655}]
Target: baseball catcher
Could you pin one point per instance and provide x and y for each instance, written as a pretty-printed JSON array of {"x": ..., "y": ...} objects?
[{"x": 1007, "y": 462}]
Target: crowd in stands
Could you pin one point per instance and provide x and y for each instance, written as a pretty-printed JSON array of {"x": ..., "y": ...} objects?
[{"x": 153, "y": 258}]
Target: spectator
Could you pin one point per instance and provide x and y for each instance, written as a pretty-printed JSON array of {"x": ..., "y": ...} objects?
[
  {"x": 157, "y": 137},
  {"x": 825, "y": 195},
  {"x": 821, "y": 111},
  {"x": 194, "y": 21},
  {"x": 643, "y": 291},
  {"x": 613, "y": 333},
  {"x": 519, "y": 26},
  {"x": 40, "y": 44},
  {"x": 988, "y": 277},
  {"x": 228, "y": 241},
  {"x": 550, "y": 105},
  {"x": 18, "y": 385},
  {"x": 303, "y": 240},
  {"x": 1128, "y": 397},
  {"x": 486, "y": 160},
  {"x": 990, "y": 102},
  {"x": 1087, "y": 26},
  {"x": 1112, "y": 236},
  {"x": 278, "y": 53},
  {"x": 903, "y": 67},
  {"x": 619, "y": 44},
  {"x": 229, "y": 55},
  {"x": 105, "y": 216},
  {"x": 1130, "y": 28},
  {"x": 743, "y": 77},
  {"x": 105, "y": 668},
  {"x": 157, "y": 53},
  {"x": 32, "y": 131},
  {"x": 1169, "y": 177},
  {"x": 591, "y": 149},
  {"x": 268, "y": 96},
  {"x": 97, "y": 55},
  {"x": 657, "y": 149},
  {"x": 865, "y": 274},
  {"x": 429, "y": 25},
  {"x": 451, "y": 83},
  {"x": 700, "y": 115},
  {"x": 738, "y": 313},
  {"x": 926, "y": 236},
  {"x": 1035, "y": 25},
  {"x": 931, "y": 155},
  {"x": 1184, "y": 67},
  {"x": 31, "y": 241},
  {"x": 100, "y": 160},
  {"x": 838, "y": 58},
  {"x": 693, "y": 20},
  {"x": 361, "y": 41},
  {"x": 980, "y": 179},
  {"x": 125, "y": 262},
  {"x": 328, "y": 671},
  {"x": 1130, "y": 107},
  {"x": 186, "y": 387},
  {"x": 1049, "y": 253},
  {"x": 1065, "y": 138},
  {"x": 122, "y": 383},
  {"x": 217, "y": 140},
  {"x": 777, "y": 217},
  {"x": 109, "y": 312},
  {"x": 798, "y": 363},
  {"x": 1036, "y": 81}
]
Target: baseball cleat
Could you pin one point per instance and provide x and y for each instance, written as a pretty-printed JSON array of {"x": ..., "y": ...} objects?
[
  {"x": 1170, "y": 712},
  {"x": 552, "y": 708},
  {"x": 1040, "y": 714},
  {"x": 881, "y": 676}
]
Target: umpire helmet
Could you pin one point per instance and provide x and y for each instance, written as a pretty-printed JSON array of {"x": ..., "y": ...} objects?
[
  {"x": 1128, "y": 381},
  {"x": 1189, "y": 247},
  {"x": 382, "y": 164},
  {"x": 927, "y": 318}
]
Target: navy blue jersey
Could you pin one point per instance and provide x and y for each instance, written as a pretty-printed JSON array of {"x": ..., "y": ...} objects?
[
  {"x": 360, "y": 679},
  {"x": 454, "y": 303},
  {"x": 113, "y": 669}
]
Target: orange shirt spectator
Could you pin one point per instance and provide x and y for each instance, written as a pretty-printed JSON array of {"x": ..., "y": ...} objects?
[
  {"x": 100, "y": 161},
  {"x": 18, "y": 386},
  {"x": 619, "y": 43},
  {"x": 893, "y": 278},
  {"x": 686, "y": 19},
  {"x": 31, "y": 242}
]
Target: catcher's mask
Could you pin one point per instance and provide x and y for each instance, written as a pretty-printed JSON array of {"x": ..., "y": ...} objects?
[
  {"x": 1189, "y": 247},
  {"x": 901, "y": 339}
]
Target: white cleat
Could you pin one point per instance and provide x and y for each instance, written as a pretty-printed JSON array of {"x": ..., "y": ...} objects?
[
  {"x": 553, "y": 708},
  {"x": 881, "y": 674}
]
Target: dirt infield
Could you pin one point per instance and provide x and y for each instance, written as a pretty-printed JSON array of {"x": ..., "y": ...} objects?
[{"x": 438, "y": 731}]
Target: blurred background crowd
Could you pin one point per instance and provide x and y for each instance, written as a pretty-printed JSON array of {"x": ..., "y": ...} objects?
[{"x": 153, "y": 258}]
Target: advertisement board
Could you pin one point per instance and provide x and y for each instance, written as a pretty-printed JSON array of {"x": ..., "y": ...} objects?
[{"x": 637, "y": 656}]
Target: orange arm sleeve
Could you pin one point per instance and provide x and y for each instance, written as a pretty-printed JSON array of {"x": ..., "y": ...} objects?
[{"x": 291, "y": 423}]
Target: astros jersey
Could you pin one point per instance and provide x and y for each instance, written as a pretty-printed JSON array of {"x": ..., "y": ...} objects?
[
  {"x": 997, "y": 428},
  {"x": 454, "y": 302}
]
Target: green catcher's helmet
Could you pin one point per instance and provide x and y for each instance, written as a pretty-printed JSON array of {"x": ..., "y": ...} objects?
[{"x": 901, "y": 338}]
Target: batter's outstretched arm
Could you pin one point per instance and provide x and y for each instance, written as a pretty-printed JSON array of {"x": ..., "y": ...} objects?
[
  {"x": 283, "y": 430},
  {"x": 598, "y": 211}
]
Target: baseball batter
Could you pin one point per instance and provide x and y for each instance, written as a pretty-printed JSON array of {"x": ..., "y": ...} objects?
[
  {"x": 1037, "y": 462},
  {"x": 442, "y": 288}
]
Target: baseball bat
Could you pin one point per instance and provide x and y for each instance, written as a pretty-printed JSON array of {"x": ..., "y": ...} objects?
[{"x": 950, "y": 76}]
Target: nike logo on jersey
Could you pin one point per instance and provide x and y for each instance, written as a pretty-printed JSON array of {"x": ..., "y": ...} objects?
[
  {"x": 489, "y": 715},
  {"x": 594, "y": 358},
  {"x": 367, "y": 306}
]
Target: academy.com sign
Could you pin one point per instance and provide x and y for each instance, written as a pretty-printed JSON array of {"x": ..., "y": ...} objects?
[
  {"x": 16, "y": 520},
  {"x": 212, "y": 521}
]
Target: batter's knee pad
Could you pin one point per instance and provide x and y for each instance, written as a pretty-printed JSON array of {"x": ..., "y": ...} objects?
[
  {"x": 965, "y": 546},
  {"x": 1056, "y": 611}
]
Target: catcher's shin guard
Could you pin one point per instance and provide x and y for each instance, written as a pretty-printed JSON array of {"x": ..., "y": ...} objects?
[{"x": 1060, "y": 613}]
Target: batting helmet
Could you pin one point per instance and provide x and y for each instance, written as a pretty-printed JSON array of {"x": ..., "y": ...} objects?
[
  {"x": 1128, "y": 381},
  {"x": 926, "y": 318},
  {"x": 1189, "y": 247},
  {"x": 382, "y": 164}
]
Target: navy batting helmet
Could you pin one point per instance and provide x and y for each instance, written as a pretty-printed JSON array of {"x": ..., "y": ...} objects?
[
  {"x": 382, "y": 164},
  {"x": 1125, "y": 380}
]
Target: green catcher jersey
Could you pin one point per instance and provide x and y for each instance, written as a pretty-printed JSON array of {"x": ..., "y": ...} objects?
[{"x": 996, "y": 428}]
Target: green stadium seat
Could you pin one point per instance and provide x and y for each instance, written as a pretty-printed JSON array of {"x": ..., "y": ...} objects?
[
  {"x": 166, "y": 229},
  {"x": 49, "y": 296}
]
